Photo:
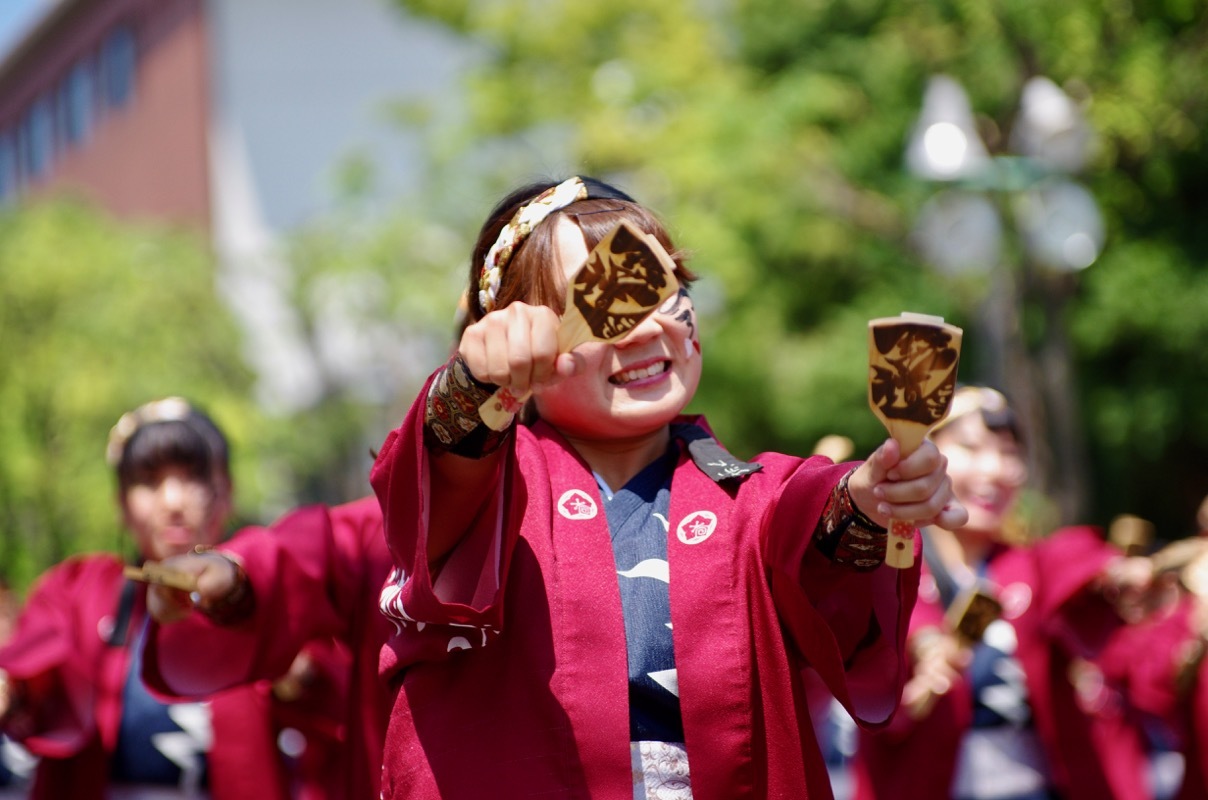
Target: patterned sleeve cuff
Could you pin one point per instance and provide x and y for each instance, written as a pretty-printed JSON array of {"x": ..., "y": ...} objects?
[
  {"x": 846, "y": 536},
  {"x": 451, "y": 420}
]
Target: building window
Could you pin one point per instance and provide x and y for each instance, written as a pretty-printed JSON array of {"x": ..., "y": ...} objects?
[
  {"x": 8, "y": 169},
  {"x": 36, "y": 139},
  {"x": 77, "y": 104},
  {"x": 117, "y": 67}
]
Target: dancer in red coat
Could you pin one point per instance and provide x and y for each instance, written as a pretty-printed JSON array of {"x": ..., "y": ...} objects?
[
  {"x": 69, "y": 685},
  {"x": 603, "y": 602},
  {"x": 314, "y": 575},
  {"x": 1162, "y": 661},
  {"x": 1023, "y": 713}
]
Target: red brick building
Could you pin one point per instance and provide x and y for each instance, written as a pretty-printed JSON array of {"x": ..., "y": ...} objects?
[
  {"x": 176, "y": 109},
  {"x": 231, "y": 116},
  {"x": 111, "y": 100}
]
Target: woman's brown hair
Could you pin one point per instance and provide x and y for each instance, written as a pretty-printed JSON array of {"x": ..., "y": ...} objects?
[{"x": 528, "y": 277}]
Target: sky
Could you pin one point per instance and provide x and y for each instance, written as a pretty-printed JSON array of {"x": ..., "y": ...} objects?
[{"x": 14, "y": 15}]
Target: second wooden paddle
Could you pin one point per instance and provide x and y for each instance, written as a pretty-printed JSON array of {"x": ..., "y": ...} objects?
[
  {"x": 154, "y": 573},
  {"x": 912, "y": 361}
]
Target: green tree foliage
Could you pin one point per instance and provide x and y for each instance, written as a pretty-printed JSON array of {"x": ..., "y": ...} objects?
[
  {"x": 95, "y": 319},
  {"x": 376, "y": 298},
  {"x": 770, "y": 135}
]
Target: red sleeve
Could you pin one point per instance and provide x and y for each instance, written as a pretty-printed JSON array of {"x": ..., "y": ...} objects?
[
  {"x": 850, "y": 625},
  {"x": 466, "y": 593},
  {"x": 297, "y": 572},
  {"x": 44, "y": 636},
  {"x": 45, "y": 661},
  {"x": 1068, "y": 563},
  {"x": 1144, "y": 658}
]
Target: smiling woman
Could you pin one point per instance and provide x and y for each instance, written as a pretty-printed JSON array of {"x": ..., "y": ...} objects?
[
  {"x": 1007, "y": 696},
  {"x": 587, "y": 598}
]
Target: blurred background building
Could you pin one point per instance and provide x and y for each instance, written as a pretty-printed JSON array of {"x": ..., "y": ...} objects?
[{"x": 230, "y": 116}]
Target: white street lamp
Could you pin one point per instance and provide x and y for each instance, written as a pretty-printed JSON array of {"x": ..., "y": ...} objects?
[
  {"x": 959, "y": 231},
  {"x": 945, "y": 145}
]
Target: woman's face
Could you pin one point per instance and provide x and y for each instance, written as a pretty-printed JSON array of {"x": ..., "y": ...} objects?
[
  {"x": 987, "y": 470},
  {"x": 172, "y": 510},
  {"x": 631, "y": 387}
]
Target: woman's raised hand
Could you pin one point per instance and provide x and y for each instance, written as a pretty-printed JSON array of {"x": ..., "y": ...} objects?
[
  {"x": 516, "y": 347},
  {"x": 915, "y": 488},
  {"x": 217, "y": 577}
]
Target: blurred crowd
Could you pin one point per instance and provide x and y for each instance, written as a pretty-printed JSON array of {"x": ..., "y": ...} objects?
[
  {"x": 1080, "y": 653},
  {"x": 736, "y": 615},
  {"x": 1074, "y": 659}
]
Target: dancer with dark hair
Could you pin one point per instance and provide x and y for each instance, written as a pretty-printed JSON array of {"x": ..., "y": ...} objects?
[
  {"x": 592, "y": 597},
  {"x": 69, "y": 676},
  {"x": 311, "y": 576}
]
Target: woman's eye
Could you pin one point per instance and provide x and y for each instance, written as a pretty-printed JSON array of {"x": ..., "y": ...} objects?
[{"x": 672, "y": 302}]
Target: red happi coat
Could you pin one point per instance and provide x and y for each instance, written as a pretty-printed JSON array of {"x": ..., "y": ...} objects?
[
  {"x": 1149, "y": 658},
  {"x": 520, "y": 689},
  {"x": 316, "y": 574},
  {"x": 74, "y": 680},
  {"x": 1194, "y": 713},
  {"x": 1093, "y": 746}
]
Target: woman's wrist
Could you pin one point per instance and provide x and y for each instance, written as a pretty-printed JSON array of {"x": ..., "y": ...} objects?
[
  {"x": 12, "y": 700},
  {"x": 1188, "y": 656},
  {"x": 238, "y": 602},
  {"x": 6, "y": 695},
  {"x": 451, "y": 420},
  {"x": 846, "y": 535},
  {"x": 862, "y": 498}
]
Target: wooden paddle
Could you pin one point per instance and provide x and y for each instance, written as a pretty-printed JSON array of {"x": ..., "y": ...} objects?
[
  {"x": 971, "y": 613},
  {"x": 625, "y": 278},
  {"x": 163, "y": 576},
  {"x": 912, "y": 362}
]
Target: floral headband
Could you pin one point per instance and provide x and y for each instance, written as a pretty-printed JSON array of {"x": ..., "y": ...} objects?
[
  {"x": 168, "y": 409},
  {"x": 517, "y": 230},
  {"x": 968, "y": 399}
]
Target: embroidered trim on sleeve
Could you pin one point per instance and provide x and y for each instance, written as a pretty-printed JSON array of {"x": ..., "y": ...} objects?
[
  {"x": 451, "y": 421},
  {"x": 846, "y": 536}
]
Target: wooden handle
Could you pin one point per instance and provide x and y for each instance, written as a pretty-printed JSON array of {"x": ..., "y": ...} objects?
[
  {"x": 163, "y": 576},
  {"x": 626, "y": 277},
  {"x": 912, "y": 361}
]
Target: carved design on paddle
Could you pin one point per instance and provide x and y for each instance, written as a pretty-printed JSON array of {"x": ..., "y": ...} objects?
[
  {"x": 915, "y": 375},
  {"x": 626, "y": 277},
  {"x": 912, "y": 361},
  {"x": 619, "y": 285},
  {"x": 971, "y": 613}
]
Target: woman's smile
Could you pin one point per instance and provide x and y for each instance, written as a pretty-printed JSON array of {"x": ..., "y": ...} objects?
[{"x": 641, "y": 375}]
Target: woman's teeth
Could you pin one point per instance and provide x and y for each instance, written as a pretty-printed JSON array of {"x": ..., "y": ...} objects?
[{"x": 631, "y": 375}]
